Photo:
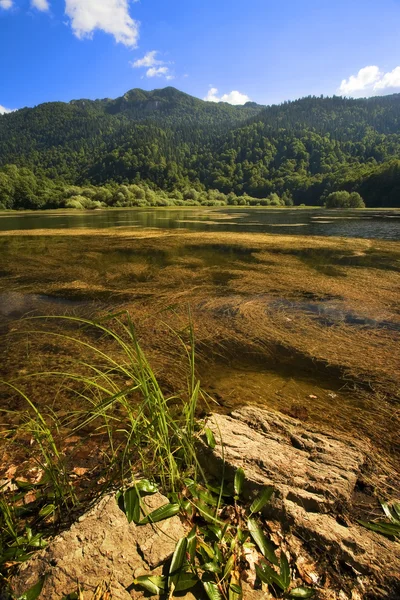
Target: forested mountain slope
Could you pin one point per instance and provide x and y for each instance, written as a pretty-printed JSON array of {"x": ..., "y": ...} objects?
[{"x": 183, "y": 147}]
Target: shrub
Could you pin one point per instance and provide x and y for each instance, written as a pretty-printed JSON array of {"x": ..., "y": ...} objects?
[{"x": 343, "y": 199}]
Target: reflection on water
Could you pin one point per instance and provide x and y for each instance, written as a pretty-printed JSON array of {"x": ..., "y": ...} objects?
[
  {"x": 16, "y": 304},
  {"x": 357, "y": 223},
  {"x": 331, "y": 313}
]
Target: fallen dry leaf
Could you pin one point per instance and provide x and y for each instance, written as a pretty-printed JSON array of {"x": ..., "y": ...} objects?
[{"x": 80, "y": 471}]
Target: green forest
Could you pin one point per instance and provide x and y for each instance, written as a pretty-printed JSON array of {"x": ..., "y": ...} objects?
[{"x": 165, "y": 148}]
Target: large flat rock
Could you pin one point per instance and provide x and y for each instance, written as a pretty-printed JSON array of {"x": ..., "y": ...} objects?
[
  {"x": 102, "y": 545},
  {"x": 314, "y": 476}
]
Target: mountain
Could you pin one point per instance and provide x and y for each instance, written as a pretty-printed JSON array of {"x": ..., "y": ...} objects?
[{"x": 183, "y": 148}]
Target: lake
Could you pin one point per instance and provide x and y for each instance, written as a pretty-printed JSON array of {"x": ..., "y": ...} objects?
[
  {"x": 295, "y": 310},
  {"x": 377, "y": 224}
]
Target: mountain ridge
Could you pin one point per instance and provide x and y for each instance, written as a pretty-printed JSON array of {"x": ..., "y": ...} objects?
[{"x": 165, "y": 139}]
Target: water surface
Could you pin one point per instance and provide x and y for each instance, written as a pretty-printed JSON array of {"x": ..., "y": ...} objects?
[{"x": 379, "y": 224}]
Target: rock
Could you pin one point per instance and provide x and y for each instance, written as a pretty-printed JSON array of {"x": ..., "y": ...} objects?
[
  {"x": 314, "y": 475},
  {"x": 102, "y": 545}
]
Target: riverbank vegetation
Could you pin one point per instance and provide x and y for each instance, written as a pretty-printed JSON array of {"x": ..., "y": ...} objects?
[{"x": 165, "y": 147}]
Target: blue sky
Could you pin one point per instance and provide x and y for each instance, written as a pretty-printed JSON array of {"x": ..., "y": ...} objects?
[{"x": 264, "y": 50}]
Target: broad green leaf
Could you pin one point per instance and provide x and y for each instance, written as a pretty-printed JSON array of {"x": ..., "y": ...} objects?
[
  {"x": 391, "y": 513},
  {"x": 388, "y": 529},
  {"x": 235, "y": 591},
  {"x": 146, "y": 487},
  {"x": 132, "y": 505},
  {"x": 34, "y": 592},
  {"x": 207, "y": 497},
  {"x": 210, "y": 438},
  {"x": 268, "y": 575},
  {"x": 37, "y": 541},
  {"x": 185, "y": 582},
  {"x": 238, "y": 481},
  {"x": 212, "y": 590},
  {"x": 164, "y": 512},
  {"x": 217, "y": 531},
  {"x": 25, "y": 485},
  {"x": 209, "y": 552},
  {"x": 396, "y": 507},
  {"x": 218, "y": 553},
  {"x": 261, "y": 500},
  {"x": 186, "y": 506},
  {"x": 285, "y": 571},
  {"x": 387, "y": 510},
  {"x": 205, "y": 511},
  {"x": 191, "y": 544},
  {"x": 230, "y": 563},
  {"x": 153, "y": 584},
  {"x": 265, "y": 546},
  {"x": 47, "y": 510},
  {"x": 212, "y": 567},
  {"x": 301, "y": 592},
  {"x": 241, "y": 535},
  {"x": 217, "y": 490},
  {"x": 178, "y": 559}
]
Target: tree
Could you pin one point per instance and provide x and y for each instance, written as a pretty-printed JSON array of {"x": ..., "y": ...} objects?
[{"x": 343, "y": 199}]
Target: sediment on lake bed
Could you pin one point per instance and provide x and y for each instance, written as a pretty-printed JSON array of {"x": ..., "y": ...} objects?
[{"x": 307, "y": 326}]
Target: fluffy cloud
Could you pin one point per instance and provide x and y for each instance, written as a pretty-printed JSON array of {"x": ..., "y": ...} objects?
[
  {"x": 365, "y": 79},
  {"x": 42, "y": 5},
  {"x": 111, "y": 16},
  {"x": 389, "y": 80},
  {"x": 148, "y": 60},
  {"x": 6, "y": 4},
  {"x": 4, "y": 110},
  {"x": 155, "y": 67},
  {"x": 370, "y": 80},
  {"x": 157, "y": 72},
  {"x": 233, "y": 97}
]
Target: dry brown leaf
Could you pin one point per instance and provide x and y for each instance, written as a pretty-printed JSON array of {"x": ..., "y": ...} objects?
[{"x": 80, "y": 471}]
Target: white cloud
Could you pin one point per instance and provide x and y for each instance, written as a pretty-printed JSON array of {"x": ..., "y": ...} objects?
[
  {"x": 110, "y": 16},
  {"x": 6, "y": 4},
  {"x": 41, "y": 5},
  {"x": 148, "y": 60},
  {"x": 233, "y": 97},
  {"x": 364, "y": 79},
  {"x": 370, "y": 80},
  {"x": 4, "y": 110},
  {"x": 389, "y": 80},
  {"x": 155, "y": 67},
  {"x": 157, "y": 72}
]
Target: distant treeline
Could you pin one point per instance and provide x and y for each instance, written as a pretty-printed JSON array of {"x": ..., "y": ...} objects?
[{"x": 165, "y": 147}]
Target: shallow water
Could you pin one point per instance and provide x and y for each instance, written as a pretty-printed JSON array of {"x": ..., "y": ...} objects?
[
  {"x": 380, "y": 224},
  {"x": 271, "y": 314}
]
